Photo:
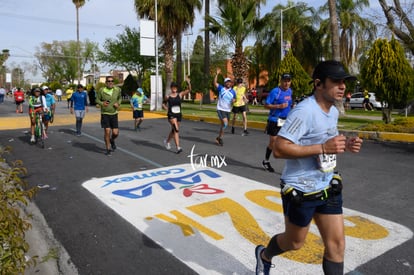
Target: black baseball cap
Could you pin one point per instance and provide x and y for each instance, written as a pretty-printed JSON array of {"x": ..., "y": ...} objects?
[
  {"x": 332, "y": 69},
  {"x": 239, "y": 80},
  {"x": 286, "y": 76}
]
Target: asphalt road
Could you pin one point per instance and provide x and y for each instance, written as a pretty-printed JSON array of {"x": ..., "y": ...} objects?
[{"x": 378, "y": 181}]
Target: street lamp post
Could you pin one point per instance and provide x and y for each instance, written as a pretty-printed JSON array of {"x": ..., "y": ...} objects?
[
  {"x": 158, "y": 102},
  {"x": 281, "y": 30}
]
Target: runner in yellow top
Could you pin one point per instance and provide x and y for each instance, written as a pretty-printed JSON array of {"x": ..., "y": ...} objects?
[
  {"x": 69, "y": 93},
  {"x": 239, "y": 106}
]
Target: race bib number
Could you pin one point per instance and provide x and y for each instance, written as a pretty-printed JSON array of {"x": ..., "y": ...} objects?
[
  {"x": 280, "y": 122},
  {"x": 327, "y": 162},
  {"x": 139, "y": 105},
  {"x": 175, "y": 109},
  {"x": 19, "y": 97}
]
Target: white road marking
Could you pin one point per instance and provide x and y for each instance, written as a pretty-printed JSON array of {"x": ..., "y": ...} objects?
[{"x": 212, "y": 220}]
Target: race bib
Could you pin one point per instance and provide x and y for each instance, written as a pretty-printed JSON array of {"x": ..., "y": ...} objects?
[
  {"x": 19, "y": 97},
  {"x": 175, "y": 109},
  {"x": 326, "y": 162},
  {"x": 280, "y": 122},
  {"x": 139, "y": 105}
]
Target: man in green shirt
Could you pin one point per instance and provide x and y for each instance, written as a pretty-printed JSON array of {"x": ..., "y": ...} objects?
[{"x": 109, "y": 99}]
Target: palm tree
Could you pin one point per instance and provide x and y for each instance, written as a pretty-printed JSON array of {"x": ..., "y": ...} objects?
[
  {"x": 173, "y": 18},
  {"x": 78, "y": 4},
  {"x": 355, "y": 32},
  {"x": 235, "y": 23},
  {"x": 299, "y": 25}
]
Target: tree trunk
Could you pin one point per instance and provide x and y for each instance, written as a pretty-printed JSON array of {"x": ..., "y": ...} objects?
[
  {"x": 333, "y": 16},
  {"x": 179, "y": 62}
]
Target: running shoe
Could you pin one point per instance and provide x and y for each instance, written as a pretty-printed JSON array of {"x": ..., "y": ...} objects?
[
  {"x": 108, "y": 153},
  {"x": 113, "y": 145},
  {"x": 219, "y": 141},
  {"x": 167, "y": 145},
  {"x": 262, "y": 266},
  {"x": 232, "y": 130},
  {"x": 245, "y": 133},
  {"x": 179, "y": 150},
  {"x": 33, "y": 139},
  {"x": 267, "y": 166}
]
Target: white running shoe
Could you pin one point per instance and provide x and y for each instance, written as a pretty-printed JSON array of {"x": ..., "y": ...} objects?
[
  {"x": 33, "y": 139},
  {"x": 167, "y": 145}
]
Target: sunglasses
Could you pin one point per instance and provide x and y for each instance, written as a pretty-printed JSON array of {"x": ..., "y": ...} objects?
[{"x": 109, "y": 81}]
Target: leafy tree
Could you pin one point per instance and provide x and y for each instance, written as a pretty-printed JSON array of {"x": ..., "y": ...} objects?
[
  {"x": 4, "y": 55},
  {"x": 124, "y": 52},
  {"x": 387, "y": 72},
  {"x": 130, "y": 86},
  {"x": 58, "y": 60},
  {"x": 300, "y": 79},
  {"x": 197, "y": 66},
  {"x": 299, "y": 25},
  {"x": 200, "y": 81},
  {"x": 399, "y": 21}
]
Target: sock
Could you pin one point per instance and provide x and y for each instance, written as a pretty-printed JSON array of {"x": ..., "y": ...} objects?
[
  {"x": 332, "y": 268},
  {"x": 268, "y": 152},
  {"x": 272, "y": 248}
]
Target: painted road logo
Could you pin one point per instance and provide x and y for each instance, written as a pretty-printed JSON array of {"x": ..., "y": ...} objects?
[{"x": 212, "y": 220}]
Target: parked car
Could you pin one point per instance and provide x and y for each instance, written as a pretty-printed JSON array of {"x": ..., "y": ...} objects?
[{"x": 357, "y": 100}]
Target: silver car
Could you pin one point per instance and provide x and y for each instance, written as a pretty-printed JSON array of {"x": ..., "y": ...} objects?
[{"x": 357, "y": 100}]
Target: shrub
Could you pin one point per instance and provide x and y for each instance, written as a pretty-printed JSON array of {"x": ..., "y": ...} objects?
[
  {"x": 13, "y": 226},
  {"x": 399, "y": 125}
]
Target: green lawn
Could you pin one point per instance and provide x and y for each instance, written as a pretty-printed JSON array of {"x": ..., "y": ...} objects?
[{"x": 259, "y": 114}]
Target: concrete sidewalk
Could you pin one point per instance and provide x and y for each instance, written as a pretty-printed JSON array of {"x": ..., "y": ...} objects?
[{"x": 52, "y": 258}]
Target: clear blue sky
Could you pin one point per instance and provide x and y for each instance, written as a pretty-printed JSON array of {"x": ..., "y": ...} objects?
[{"x": 28, "y": 23}]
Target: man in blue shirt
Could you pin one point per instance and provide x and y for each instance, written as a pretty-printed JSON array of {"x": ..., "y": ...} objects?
[
  {"x": 279, "y": 102},
  {"x": 79, "y": 105}
]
